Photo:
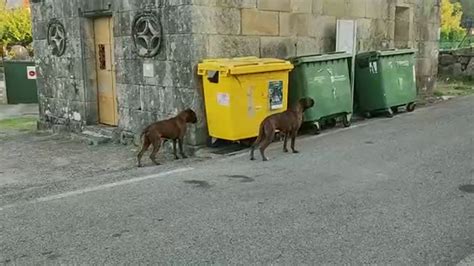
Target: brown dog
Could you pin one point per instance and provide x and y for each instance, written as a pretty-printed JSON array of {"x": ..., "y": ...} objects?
[
  {"x": 173, "y": 129},
  {"x": 288, "y": 122}
]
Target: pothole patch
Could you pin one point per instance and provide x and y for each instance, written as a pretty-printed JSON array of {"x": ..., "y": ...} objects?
[{"x": 467, "y": 188}]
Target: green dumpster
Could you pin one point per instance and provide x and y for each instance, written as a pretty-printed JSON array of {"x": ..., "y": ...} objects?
[
  {"x": 385, "y": 81},
  {"x": 326, "y": 79},
  {"x": 20, "y": 81}
]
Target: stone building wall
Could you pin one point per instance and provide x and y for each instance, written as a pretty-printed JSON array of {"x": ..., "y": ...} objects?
[
  {"x": 67, "y": 83},
  {"x": 197, "y": 29},
  {"x": 282, "y": 28}
]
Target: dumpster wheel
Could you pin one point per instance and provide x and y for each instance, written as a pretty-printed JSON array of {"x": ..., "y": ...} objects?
[
  {"x": 368, "y": 115},
  {"x": 411, "y": 107},
  {"x": 389, "y": 113},
  {"x": 317, "y": 128},
  {"x": 395, "y": 109},
  {"x": 346, "y": 120}
]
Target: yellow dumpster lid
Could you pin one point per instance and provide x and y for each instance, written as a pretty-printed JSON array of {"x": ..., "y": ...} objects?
[{"x": 243, "y": 65}]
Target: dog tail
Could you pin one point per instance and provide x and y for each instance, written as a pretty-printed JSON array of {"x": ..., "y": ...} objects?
[
  {"x": 261, "y": 135},
  {"x": 144, "y": 132}
]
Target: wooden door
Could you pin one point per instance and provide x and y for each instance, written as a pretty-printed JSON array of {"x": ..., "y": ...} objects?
[{"x": 105, "y": 66}]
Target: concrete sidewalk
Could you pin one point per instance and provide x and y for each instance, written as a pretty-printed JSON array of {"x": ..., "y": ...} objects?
[{"x": 18, "y": 110}]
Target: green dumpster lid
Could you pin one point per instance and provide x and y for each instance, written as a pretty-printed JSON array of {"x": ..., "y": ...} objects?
[
  {"x": 387, "y": 52},
  {"x": 319, "y": 57}
]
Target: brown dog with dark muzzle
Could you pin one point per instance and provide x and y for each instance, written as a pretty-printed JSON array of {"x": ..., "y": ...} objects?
[
  {"x": 288, "y": 122},
  {"x": 173, "y": 129}
]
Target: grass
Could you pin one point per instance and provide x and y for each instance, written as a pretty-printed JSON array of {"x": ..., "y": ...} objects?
[
  {"x": 18, "y": 124},
  {"x": 454, "y": 88}
]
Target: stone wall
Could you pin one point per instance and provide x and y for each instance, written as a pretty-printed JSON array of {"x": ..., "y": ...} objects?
[
  {"x": 197, "y": 29},
  {"x": 457, "y": 64},
  {"x": 284, "y": 28},
  {"x": 67, "y": 83}
]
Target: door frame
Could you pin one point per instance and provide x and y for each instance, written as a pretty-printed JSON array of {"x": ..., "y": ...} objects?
[
  {"x": 109, "y": 21},
  {"x": 89, "y": 74}
]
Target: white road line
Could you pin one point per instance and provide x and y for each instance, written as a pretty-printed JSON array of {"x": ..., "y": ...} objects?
[
  {"x": 99, "y": 188},
  {"x": 303, "y": 138},
  {"x": 468, "y": 261}
]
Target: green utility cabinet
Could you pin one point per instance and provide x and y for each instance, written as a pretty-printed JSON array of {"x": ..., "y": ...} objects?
[
  {"x": 20, "y": 81},
  {"x": 385, "y": 81},
  {"x": 326, "y": 79}
]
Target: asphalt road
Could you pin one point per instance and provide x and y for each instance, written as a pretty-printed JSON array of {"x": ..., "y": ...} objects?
[{"x": 386, "y": 192}]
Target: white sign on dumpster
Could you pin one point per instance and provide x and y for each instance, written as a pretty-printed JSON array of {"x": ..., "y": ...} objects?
[{"x": 31, "y": 72}]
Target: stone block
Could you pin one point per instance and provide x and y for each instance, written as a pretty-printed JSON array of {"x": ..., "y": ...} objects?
[
  {"x": 92, "y": 113},
  {"x": 178, "y": 19},
  {"x": 215, "y": 20},
  {"x": 308, "y": 46},
  {"x": 356, "y": 9},
  {"x": 298, "y": 24},
  {"x": 377, "y": 9},
  {"x": 233, "y": 46},
  {"x": 279, "y": 47},
  {"x": 326, "y": 27},
  {"x": 227, "y": 3},
  {"x": 328, "y": 44},
  {"x": 302, "y": 6},
  {"x": 272, "y": 5},
  {"x": 131, "y": 71},
  {"x": 364, "y": 28},
  {"x": 128, "y": 96},
  {"x": 256, "y": 22},
  {"x": 428, "y": 49},
  {"x": 335, "y": 8},
  {"x": 426, "y": 67},
  {"x": 39, "y": 30},
  {"x": 317, "y": 7},
  {"x": 168, "y": 73},
  {"x": 151, "y": 98},
  {"x": 127, "y": 5},
  {"x": 123, "y": 23},
  {"x": 72, "y": 28},
  {"x": 123, "y": 49},
  {"x": 186, "y": 47}
]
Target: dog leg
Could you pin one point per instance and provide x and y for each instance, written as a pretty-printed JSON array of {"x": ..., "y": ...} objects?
[
  {"x": 180, "y": 143},
  {"x": 174, "y": 150},
  {"x": 156, "y": 148},
  {"x": 264, "y": 145},
  {"x": 285, "y": 149},
  {"x": 146, "y": 144},
  {"x": 293, "y": 139},
  {"x": 252, "y": 151}
]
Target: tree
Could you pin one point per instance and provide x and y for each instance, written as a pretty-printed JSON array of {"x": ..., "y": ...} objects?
[
  {"x": 15, "y": 26},
  {"x": 451, "y": 14}
]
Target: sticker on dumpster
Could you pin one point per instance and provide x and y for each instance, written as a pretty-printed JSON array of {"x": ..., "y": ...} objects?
[
  {"x": 223, "y": 99},
  {"x": 275, "y": 91},
  {"x": 31, "y": 72},
  {"x": 250, "y": 104},
  {"x": 373, "y": 67}
]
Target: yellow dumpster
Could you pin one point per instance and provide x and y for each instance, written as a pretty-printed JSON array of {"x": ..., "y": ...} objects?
[{"x": 240, "y": 92}]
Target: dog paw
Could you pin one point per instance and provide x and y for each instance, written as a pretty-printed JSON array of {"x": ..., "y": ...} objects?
[
  {"x": 295, "y": 151},
  {"x": 184, "y": 156},
  {"x": 252, "y": 159},
  {"x": 285, "y": 150},
  {"x": 265, "y": 159}
]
